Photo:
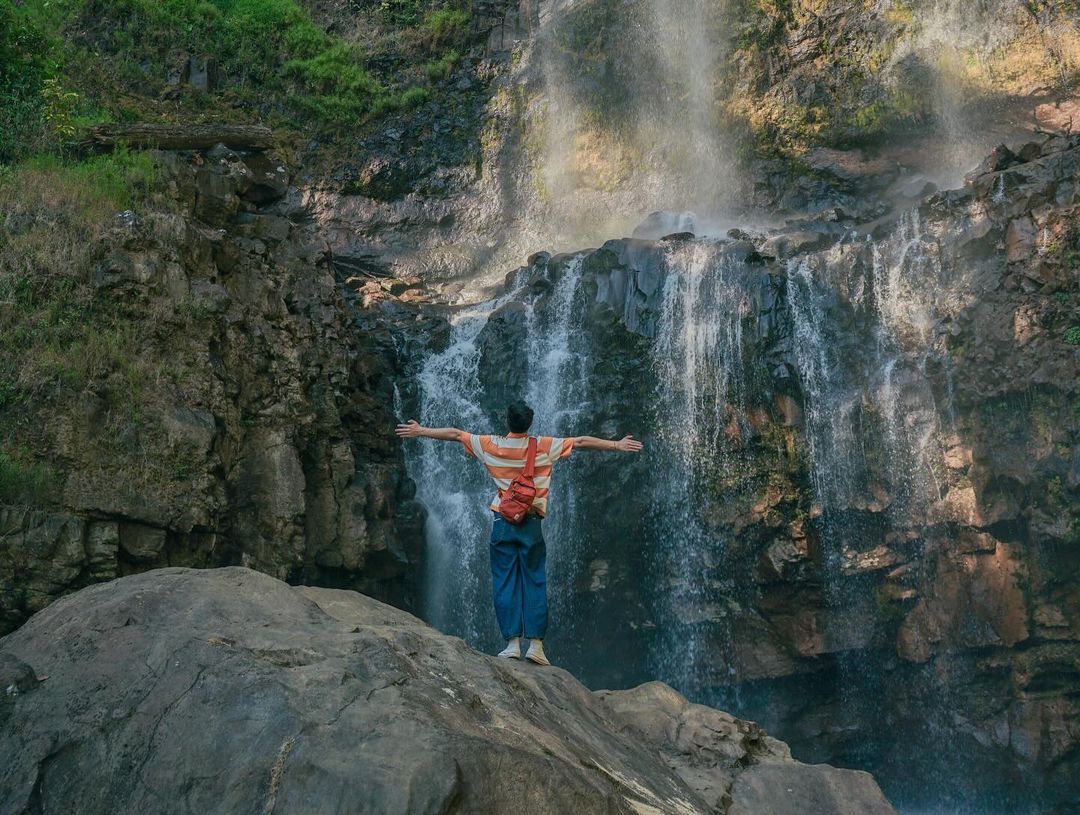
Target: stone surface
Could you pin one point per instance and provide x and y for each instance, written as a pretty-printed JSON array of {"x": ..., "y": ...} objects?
[
  {"x": 947, "y": 556},
  {"x": 266, "y": 441},
  {"x": 228, "y": 690}
]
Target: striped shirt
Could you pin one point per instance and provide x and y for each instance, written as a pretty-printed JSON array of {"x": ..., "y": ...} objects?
[{"x": 504, "y": 457}]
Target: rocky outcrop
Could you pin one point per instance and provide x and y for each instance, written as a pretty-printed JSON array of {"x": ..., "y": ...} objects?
[
  {"x": 264, "y": 437},
  {"x": 228, "y": 690},
  {"x": 884, "y": 480}
]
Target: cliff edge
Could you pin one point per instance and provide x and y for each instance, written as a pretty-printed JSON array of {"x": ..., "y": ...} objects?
[{"x": 225, "y": 690}]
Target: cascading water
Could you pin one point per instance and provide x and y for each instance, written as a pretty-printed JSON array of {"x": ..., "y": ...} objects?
[
  {"x": 697, "y": 356},
  {"x": 455, "y": 489},
  {"x": 456, "y": 496},
  {"x": 654, "y": 554}
]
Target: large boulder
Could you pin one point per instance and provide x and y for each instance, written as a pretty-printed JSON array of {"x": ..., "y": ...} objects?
[{"x": 226, "y": 690}]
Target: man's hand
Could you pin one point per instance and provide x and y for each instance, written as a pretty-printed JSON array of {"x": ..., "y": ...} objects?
[
  {"x": 627, "y": 444},
  {"x": 410, "y": 430}
]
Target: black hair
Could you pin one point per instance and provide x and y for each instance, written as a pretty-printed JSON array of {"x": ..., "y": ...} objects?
[{"x": 519, "y": 417}]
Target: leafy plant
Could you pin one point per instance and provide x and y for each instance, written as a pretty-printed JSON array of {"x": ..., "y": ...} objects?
[
  {"x": 59, "y": 109},
  {"x": 1072, "y": 336},
  {"x": 400, "y": 12},
  {"x": 445, "y": 25},
  {"x": 23, "y": 67},
  {"x": 440, "y": 69}
]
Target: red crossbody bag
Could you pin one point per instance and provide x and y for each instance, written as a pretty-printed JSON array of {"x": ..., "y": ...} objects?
[{"x": 518, "y": 497}]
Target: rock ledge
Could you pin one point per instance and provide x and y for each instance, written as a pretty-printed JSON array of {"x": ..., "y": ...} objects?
[{"x": 225, "y": 690}]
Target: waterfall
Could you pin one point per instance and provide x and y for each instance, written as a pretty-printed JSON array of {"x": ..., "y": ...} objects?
[
  {"x": 831, "y": 401},
  {"x": 454, "y": 488},
  {"x": 700, "y": 406},
  {"x": 698, "y": 423},
  {"x": 456, "y": 496},
  {"x": 660, "y": 556},
  {"x": 556, "y": 362}
]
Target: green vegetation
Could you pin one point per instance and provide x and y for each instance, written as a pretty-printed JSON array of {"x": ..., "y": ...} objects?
[
  {"x": 445, "y": 25},
  {"x": 883, "y": 115},
  {"x": 341, "y": 89},
  {"x": 67, "y": 63},
  {"x": 401, "y": 12},
  {"x": 440, "y": 69},
  {"x": 57, "y": 337},
  {"x": 251, "y": 40},
  {"x": 24, "y": 482},
  {"x": 24, "y": 67},
  {"x": 1072, "y": 336}
]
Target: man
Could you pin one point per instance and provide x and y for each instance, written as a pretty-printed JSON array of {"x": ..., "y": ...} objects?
[{"x": 518, "y": 553}]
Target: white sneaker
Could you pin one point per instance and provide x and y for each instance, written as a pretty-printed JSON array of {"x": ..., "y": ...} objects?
[
  {"x": 536, "y": 653},
  {"x": 512, "y": 649}
]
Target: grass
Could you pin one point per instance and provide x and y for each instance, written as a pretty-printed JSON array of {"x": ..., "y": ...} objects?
[
  {"x": 271, "y": 56},
  {"x": 88, "y": 190},
  {"x": 439, "y": 69},
  {"x": 445, "y": 25},
  {"x": 24, "y": 482},
  {"x": 57, "y": 335},
  {"x": 74, "y": 357},
  {"x": 24, "y": 67}
]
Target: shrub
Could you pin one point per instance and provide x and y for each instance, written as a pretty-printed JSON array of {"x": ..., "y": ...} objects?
[
  {"x": 1072, "y": 336},
  {"x": 400, "y": 12},
  {"x": 23, "y": 69},
  {"x": 440, "y": 69},
  {"x": 22, "y": 482},
  {"x": 268, "y": 50},
  {"x": 445, "y": 25},
  {"x": 414, "y": 97},
  {"x": 341, "y": 88}
]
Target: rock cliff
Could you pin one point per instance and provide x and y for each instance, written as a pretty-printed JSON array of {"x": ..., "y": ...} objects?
[
  {"x": 226, "y": 690},
  {"x": 859, "y": 494},
  {"x": 250, "y": 422}
]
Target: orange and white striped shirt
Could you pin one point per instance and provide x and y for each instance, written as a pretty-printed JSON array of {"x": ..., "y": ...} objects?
[{"x": 504, "y": 457}]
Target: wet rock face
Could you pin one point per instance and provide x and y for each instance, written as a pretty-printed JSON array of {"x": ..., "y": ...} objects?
[
  {"x": 885, "y": 511},
  {"x": 293, "y": 694},
  {"x": 274, "y": 451}
]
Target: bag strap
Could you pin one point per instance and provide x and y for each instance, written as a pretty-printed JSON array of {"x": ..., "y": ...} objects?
[{"x": 530, "y": 459}]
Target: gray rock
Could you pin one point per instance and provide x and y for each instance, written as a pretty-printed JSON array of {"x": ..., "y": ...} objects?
[
  {"x": 794, "y": 243},
  {"x": 269, "y": 178},
  {"x": 141, "y": 543},
  {"x": 232, "y": 692},
  {"x": 1020, "y": 239},
  {"x": 217, "y": 202},
  {"x": 796, "y": 789}
]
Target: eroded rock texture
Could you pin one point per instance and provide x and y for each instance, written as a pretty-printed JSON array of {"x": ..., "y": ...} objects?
[
  {"x": 227, "y": 690},
  {"x": 857, "y": 516},
  {"x": 265, "y": 439}
]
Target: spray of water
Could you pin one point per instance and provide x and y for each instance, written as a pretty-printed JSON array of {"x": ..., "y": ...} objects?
[{"x": 629, "y": 118}]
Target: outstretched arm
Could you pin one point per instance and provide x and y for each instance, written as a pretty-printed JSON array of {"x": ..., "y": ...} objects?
[
  {"x": 627, "y": 444},
  {"x": 413, "y": 429}
]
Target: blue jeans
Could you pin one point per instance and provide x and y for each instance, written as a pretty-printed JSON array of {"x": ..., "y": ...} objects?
[{"x": 518, "y": 581}]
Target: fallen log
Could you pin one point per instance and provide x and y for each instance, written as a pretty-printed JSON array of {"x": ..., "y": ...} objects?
[{"x": 181, "y": 136}]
